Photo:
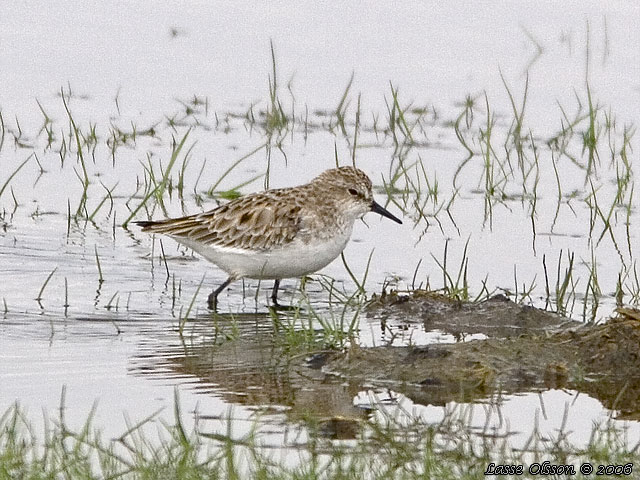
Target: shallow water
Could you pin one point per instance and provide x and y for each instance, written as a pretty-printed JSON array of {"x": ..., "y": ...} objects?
[{"x": 116, "y": 340}]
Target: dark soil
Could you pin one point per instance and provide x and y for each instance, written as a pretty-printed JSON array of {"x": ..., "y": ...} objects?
[
  {"x": 526, "y": 350},
  {"x": 529, "y": 349}
]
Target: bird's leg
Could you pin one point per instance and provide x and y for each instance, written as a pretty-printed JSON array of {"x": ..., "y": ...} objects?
[
  {"x": 212, "y": 300},
  {"x": 274, "y": 293}
]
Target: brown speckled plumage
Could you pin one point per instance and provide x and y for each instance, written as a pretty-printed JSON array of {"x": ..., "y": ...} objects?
[
  {"x": 281, "y": 233},
  {"x": 271, "y": 219}
]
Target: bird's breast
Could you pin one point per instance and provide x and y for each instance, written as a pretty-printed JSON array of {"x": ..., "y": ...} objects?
[{"x": 302, "y": 256}]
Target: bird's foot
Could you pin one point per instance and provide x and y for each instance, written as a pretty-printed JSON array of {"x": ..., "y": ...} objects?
[
  {"x": 281, "y": 308},
  {"x": 212, "y": 301}
]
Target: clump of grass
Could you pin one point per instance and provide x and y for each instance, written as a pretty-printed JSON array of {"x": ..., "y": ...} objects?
[
  {"x": 564, "y": 294},
  {"x": 341, "y": 110},
  {"x": 160, "y": 186},
  {"x": 84, "y": 178},
  {"x": 387, "y": 446},
  {"x": 457, "y": 288},
  {"x": 504, "y": 156},
  {"x": 400, "y": 127},
  {"x": 276, "y": 120}
]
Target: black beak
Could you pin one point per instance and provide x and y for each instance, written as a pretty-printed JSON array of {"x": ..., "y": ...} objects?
[{"x": 379, "y": 209}]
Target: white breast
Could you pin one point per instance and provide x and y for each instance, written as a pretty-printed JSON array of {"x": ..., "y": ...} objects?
[{"x": 294, "y": 260}]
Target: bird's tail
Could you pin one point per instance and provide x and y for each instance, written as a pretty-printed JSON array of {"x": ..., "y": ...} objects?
[
  {"x": 149, "y": 225},
  {"x": 171, "y": 226}
]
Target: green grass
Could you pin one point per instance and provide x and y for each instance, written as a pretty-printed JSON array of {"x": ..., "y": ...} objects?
[
  {"x": 498, "y": 159},
  {"x": 13, "y": 174},
  {"x": 501, "y": 167},
  {"x": 381, "y": 448},
  {"x": 581, "y": 159}
]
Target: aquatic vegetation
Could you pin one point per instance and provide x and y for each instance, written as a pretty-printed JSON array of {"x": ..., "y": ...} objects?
[
  {"x": 388, "y": 447},
  {"x": 506, "y": 191}
]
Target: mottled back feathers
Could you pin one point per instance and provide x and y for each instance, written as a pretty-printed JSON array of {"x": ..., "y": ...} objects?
[
  {"x": 256, "y": 222},
  {"x": 272, "y": 219}
]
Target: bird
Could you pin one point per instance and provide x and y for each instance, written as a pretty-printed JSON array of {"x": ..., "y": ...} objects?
[{"x": 278, "y": 233}]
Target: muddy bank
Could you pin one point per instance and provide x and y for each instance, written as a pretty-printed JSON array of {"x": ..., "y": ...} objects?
[
  {"x": 529, "y": 349},
  {"x": 247, "y": 360},
  {"x": 496, "y": 317}
]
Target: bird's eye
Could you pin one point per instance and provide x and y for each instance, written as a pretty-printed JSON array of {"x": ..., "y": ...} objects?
[{"x": 353, "y": 191}]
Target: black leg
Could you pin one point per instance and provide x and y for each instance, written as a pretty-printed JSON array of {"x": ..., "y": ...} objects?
[
  {"x": 212, "y": 301},
  {"x": 274, "y": 293}
]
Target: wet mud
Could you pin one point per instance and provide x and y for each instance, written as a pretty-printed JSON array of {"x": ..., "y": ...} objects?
[{"x": 526, "y": 350}]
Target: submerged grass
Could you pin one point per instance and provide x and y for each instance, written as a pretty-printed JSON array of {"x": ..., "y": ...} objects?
[
  {"x": 13, "y": 174},
  {"x": 504, "y": 159},
  {"x": 500, "y": 154},
  {"x": 275, "y": 118},
  {"x": 44, "y": 285},
  {"x": 160, "y": 187},
  {"x": 385, "y": 446},
  {"x": 76, "y": 134}
]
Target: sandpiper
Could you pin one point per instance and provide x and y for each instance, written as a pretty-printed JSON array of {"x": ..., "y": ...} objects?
[{"x": 279, "y": 233}]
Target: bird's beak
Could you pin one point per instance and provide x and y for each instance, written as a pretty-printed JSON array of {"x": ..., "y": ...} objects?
[{"x": 379, "y": 209}]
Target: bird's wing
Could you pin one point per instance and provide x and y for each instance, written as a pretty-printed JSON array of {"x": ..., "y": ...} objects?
[{"x": 257, "y": 222}]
